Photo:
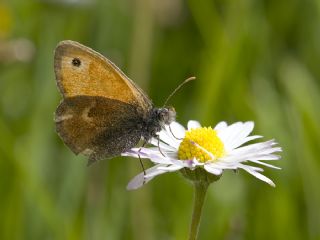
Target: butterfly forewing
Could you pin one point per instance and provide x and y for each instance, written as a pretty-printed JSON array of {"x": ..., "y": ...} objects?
[{"x": 82, "y": 71}]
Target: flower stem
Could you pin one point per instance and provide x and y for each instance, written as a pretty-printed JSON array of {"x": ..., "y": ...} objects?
[{"x": 200, "y": 188}]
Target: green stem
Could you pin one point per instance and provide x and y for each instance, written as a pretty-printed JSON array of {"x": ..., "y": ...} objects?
[{"x": 199, "y": 196}]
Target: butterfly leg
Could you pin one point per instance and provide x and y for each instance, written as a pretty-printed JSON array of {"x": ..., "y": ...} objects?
[
  {"x": 159, "y": 147},
  {"x": 141, "y": 163},
  {"x": 91, "y": 161}
]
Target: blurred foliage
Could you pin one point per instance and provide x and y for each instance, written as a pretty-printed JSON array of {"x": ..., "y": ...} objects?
[{"x": 254, "y": 60}]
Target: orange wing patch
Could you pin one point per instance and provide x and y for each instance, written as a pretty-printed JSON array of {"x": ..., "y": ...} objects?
[{"x": 82, "y": 71}]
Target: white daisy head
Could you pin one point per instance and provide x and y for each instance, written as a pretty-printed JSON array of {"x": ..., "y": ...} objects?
[{"x": 210, "y": 149}]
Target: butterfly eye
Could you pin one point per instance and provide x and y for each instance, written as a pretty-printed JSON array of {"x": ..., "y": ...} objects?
[
  {"x": 163, "y": 113},
  {"x": 76, "y": 62}
]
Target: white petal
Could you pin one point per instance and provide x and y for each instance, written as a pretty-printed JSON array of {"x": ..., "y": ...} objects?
[
  {"x": 193, "y": 124},
  {"x": 255, "y": 157},
  {"x": 262, "y": 157},
  {"x": 236, "y": 133},
  {"x": 134, "y": 153},
  {"x": 211, "y": 169},
  {"x": 167, "y": 137},
  {"x": 168, "y": 154},
  {"x": 265, "y": 164},
  {"x": 246, "y": 139},
  {"x": 172, "y": 155},
  {"x": 162, "y": 145},
  {"x": 221, "y": 165},
  {"x": 258, "y": 175},
  {"x": 254, "y": 151},
  {"x": 269, "y": 157},
  {"x": 257, "y": 169},
  {"x": 141, "y": 179},
  {"x": 171, "y": 168},
  {"x": 192, "y": 163},
  {"x": 264, "y": 147},
  {"x": 154, "y": 156},
  {"x": 225, "y": 133},
  {"x": 233, "y": 165},
  {"x": 220, "y": 126},
  {"x": 249, "y": 156},
  {"x": 177, "y": 130}
]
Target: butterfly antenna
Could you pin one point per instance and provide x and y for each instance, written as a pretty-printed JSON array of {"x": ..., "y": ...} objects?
[{"x": 177, "y": 88}]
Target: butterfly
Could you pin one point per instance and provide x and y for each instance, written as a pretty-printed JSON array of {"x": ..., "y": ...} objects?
[{"x": 103, "y": 113}]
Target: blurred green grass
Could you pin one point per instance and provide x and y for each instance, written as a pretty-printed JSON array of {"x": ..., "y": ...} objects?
[{"x": 254, "y": 60}]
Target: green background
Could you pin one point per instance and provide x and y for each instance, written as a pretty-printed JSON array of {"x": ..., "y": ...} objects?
[{"x": 253, "y": 59}]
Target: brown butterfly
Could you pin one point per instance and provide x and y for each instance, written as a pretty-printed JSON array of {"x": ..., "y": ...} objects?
[{"x": 103, "y": 113}]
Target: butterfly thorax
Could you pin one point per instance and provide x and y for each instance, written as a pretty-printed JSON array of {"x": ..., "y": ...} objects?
[{"x": 156, "y": 120}]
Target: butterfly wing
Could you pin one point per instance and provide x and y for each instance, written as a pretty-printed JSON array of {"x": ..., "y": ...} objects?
[
  {"x": 82, "y": 71},
  {"x": 98, "y": 127},
  {"x": 102, "y": 110}
]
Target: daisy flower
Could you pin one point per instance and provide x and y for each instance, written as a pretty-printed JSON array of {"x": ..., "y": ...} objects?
[{"x": 211, "y": 149}]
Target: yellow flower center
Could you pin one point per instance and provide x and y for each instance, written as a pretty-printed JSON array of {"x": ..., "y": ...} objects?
[{"x": 199, "y": 142}]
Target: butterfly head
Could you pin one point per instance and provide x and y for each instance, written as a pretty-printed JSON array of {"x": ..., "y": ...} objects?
[{"x": 166, "y": 115}]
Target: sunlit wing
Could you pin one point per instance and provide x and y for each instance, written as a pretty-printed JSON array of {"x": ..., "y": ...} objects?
[{"x": 82, "y": 71}]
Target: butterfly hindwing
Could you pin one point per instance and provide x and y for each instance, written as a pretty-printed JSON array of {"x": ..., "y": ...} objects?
[{"x": 98, "y": 127}]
